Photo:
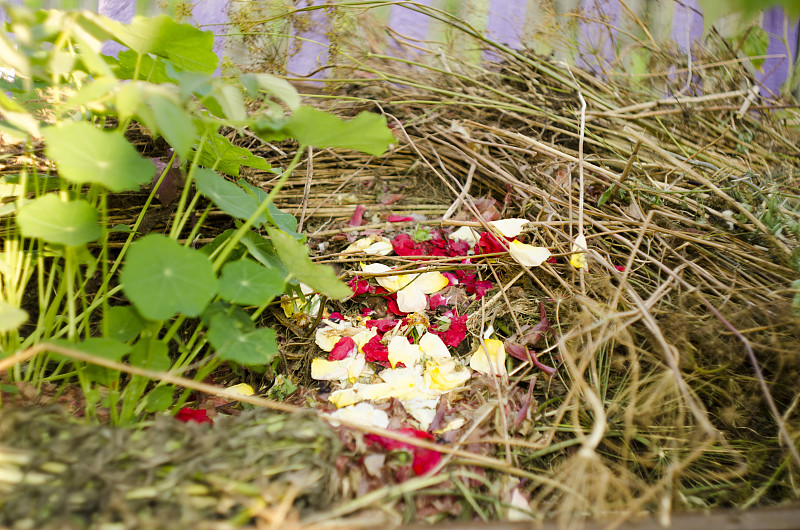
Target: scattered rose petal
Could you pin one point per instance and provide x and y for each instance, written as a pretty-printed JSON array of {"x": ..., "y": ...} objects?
[
  {"x": 466, "y": 235},
  {"x": 578, "y": 258},
  {"x": 375, "y": 350},
  {"x": 445, "y": 374},
  {"x": 358, "y": 216},
  {"x": 242, "y": 388},
  {"x": 346, "y": 369},
  {"x": 528, "y": 255},
  {"x": 346, "y": 347},
  {"x": 455, "y": 332},
  {"x": 435, "y": 301},
  {"x": 359, "y": 286},
  {"x": 620, "y": 268},
  {"x": 488, "y": 244},
  {"x": 401, "y": 351},
  {"x": 400, "y": 218},
  {"x": 433, "y": 346},
  {"x": 196, "y": 415},
  {"x": 490, "y": 360},
  {"x": 509, "y": 227},
  {"x": 362, "y": 414}
]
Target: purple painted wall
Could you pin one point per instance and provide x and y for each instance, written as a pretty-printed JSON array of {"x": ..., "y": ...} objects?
[
  {"x": 311, "y": 48},
  {"x": 212, "y": 15},
  {"x": 687, "y": 24},
  {"x": 409, "y": 26},
  {"x": 597, "y": 35},
  {"x": 775, "y": 71},
  {"x": 505, "y": 24},
  {"x": 122, "y": 10}
]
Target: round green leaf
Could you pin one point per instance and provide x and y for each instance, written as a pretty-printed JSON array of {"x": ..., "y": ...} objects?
[
  {"x": 249, "y": 283},
  {"x": 85, "y": 154},
  {"x": 11, "y": 317},
  {"x": 67, "y": 223},
  {"x": 229, "y": 197},
  {"x": 163, "y": 278},
  {"x": 159, "y": 399},
  {"x": 236, "y": 341},
  {"x": 123, "y": 322},
  {"x": 150, "y": 355}
]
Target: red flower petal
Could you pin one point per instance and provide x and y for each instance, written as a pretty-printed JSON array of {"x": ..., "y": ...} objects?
[
  {"x": 425, "y": 460},
  {"x": 374, "y": 350},
  {"x": 489, "y": 244},
  {"x": 346, "y": 347},
  {"x": 400, "y": 218},
  {"x": 359, "y": 286},
  {"x": 455, "y": 333},
  {"x": 358, "y": 216},
  {"x": 197, "y": 415},
  {"x": 381, "y": 324},
  {"x": 435, "y": 301}
]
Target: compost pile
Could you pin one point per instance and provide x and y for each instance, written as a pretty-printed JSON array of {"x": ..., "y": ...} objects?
[{"x": 641, "y": 382}]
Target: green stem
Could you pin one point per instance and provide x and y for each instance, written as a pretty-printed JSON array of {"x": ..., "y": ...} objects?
[{"x": 237, "y": 236}]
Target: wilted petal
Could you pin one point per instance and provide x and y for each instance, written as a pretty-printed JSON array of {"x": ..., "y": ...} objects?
[
  {"x": 422, "y": 409},
  {"x": 379, "y": 248},
  {"x": 492, "y": 364},
  {"x": 509, "y": 227},
  {"x": 401, "y": 351},
  {"x": 430, "y": 282},
  {"x": 433, "y": 346},
  {"x": 242, "y": 388},
  {"x": 466, "y": 234},
  {"x": 325, "y": 370},
  {"x": 411, "y": 300},
  {"x": 578, "y": 258},
  {"x": 362, "y": 414},
  {"x": 327, "y": 337},
  {"x": 344, "y": 397},
  {"x": 445, "y": 375},
  {"x": 390, "y": 283},
  {"x": 528, "y": 255}
]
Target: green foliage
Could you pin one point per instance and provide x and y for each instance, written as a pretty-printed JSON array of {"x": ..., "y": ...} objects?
[
  {"x": 162, "y": 80},
  {"x": 69, "y": 223},
  {"x": 163, "y": 278}
]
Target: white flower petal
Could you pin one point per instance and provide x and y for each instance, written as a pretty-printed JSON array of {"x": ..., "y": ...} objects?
[
  {"x": 362, "y": 414},
  {"x": 528, "y": 255},
  {"x": 325, "y": 370},
  {"x": 445, "y": 375},
  {"x": 466, "y": 234},
  {"x": 379, "y": 248},
  {"x": 433, "y": 346},
  {"x": 401, "y": 351},
  {"x": 411, "y": 300},
  {"x": 422, "y": 409},
  {"x": 509, "y": 227}
]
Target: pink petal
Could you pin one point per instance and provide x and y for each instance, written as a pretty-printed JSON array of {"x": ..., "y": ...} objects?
[
  {"x": 343, "y": 349},
  {"x": 358, "y": 216}
]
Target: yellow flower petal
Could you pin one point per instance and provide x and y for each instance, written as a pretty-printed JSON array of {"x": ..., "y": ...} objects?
[
  {"x": 578, "y": 259},
  {"x": 242, "y": 388},
  {"x": 528, "y": 255},
  {"x": 445, "y": 375},
  {"x": 433, "y": 346},
  {"x": 401, "y": 351},
  {"x": 492, "y": 364},
  {"x": 373, "y": 244},
  {"x": 343, "y": 398},
  {"x": 429, "y": 282},
  {"x": 509, "y": 227},
  {"x": 325, "y": 370}
]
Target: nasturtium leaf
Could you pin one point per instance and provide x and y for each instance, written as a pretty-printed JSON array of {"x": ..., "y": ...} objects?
[
  {"x": 159, "y": 399},
  {"x": 162, "y": 278},
  {"x": 11, "y": 317},
  {"x": 184, "y": 45},
  {"x": 70, "y": 223},
  {"x": 91, "y": 94},
  {"x": 173, "y": 122},
  {"x": 261, "y": 250},
  {"x": 228, "y": 197},
  {"x": 294, "y": 255},
  {"x": 150, "y": 355},
  {"x": 123, "y": 322},
  {"x": 105, "y": 348},
  {"x": 220, "y": 153},
  {"x": 283, "y": 220},
  {"x": 272, "y": 85},
  {"x": 230, "y": 101},
  {"x": 247, "y": 282},
  {"x": 238, "y": 343},
  {"x": 151, "y": 68},
  {"x": 85, "y": 154},
  {"x": 366, "y": 132}
]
